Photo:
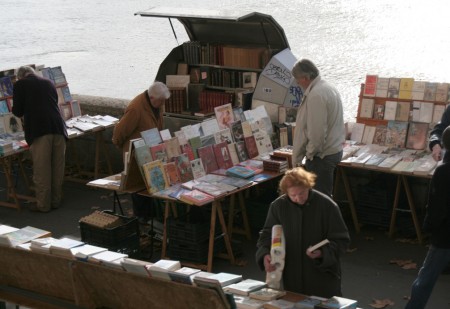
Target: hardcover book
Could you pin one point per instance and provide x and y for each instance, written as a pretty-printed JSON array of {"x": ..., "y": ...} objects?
[
  {"x": 241, "y": 151},
  {"x": 382, "y": 87},
  {"x": 369, "y": 133},
  {"x": 378, "y": 111},
  {"x": 396, "y": 134},
  {"x": 250, "y": 145},
  {"x": 366, "y": 108},
  {"x": 155, "y": 177},
  {"x": 172, "y": 148},
  {"x": 370, "y": 85},
  {"x": 357, "y": 132},
  {"x": 171, "y": 171},
  {"x": 263, "y": 143},
  {"x": 6, "y": 86},
  {"x": 240, "y": 171},
  {"x": 244, "y": 287},
  {"x": 394, "y": 87},
  {"x": 158, "y": 152},
  {"x": 197, "y": 168},
  {"x": 210, "y": 126},
  {"x": 441, "y": 92},
  {"x": 195, "y": 143},
  {"x": 208, "y": 158},
  {"x": 223, "y": 136},
  {"x": 222, "y": 155},
  {"x": 417, "y": 136},
  {"x": 403, "y": 111},
  {"x": 237, "y": 131},
  {"x": 406, "y": 85},
  {"x": 426, "y": 112},
  {"x": 233, "y": 154},
  {"x": 187, "y": 149},
  {"x": 142, "y": 155},
  {"x": 224, "y": 115},
  {"x": 430, "y": 91},
  {"x": 390, "y": 110},
  {"x": 246, "y": 129},
  {"x": 196, "y": 197},
  {"x": 379, "y": 137},
  {"x": 418, "y": 90},
  {"x": 151, "y": 136},
  {"x": 184, "y": 167}
]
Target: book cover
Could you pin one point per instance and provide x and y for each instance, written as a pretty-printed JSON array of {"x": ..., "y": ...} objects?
[
  {"x": 287, "y": 114},
  {"x": 246, "y": 129},
  {"x": 75, "y": 108},
  {"x": 255, "y": 165},
  {"x": 223, "y": 136},
  {"x": 267, "y": 294},
  {"x": 207, "y": 140},
  {"x": 426, "y": 112},
  {"x": 370, "y": 85},
  {"x": 4, "y": 108},
  {"x": 394, "y": 87},
  {"x": 184, "y": 167},
  {"x": 151, "y": 136},
  {"x": 172, "y": 148},
  {"x": 233, "y": 153},
  {"x": 12, "y": 124},
  {"x": 58, "y": 76},
  {"x": 240, "y": 171},
  {"x": 263, "y": 143},
  {"x": 366, "y": 108},
  {"x": 238, "y": 113},
  {"x": 224, "y": 115},
  {"x": 382, "y": 87},
  {"x": 244, "y": 287},
  {"x": 369, "y": 133},
  {"x": 403, "y": 111},
  {"x": 210, "y": 126},
  {"x": 237, "y": 131},
  {"x": 441, "y": 92},
  {"x": 390, "y": 162},
  {"x": 66, "y": 94},
  {"x": 380, "y": 135},
  {"x": 417, "y": 137},
  {"x": 406, "y": 85},
  {"x": 250, "y": 145},
  {"x": 396, "y": 134},
  {"x": 418, "y": 90},
  {"x": 424, "y": 165},
  {"x": 155, "y": 177},
  {"x": 6, "y": 86},
  {"x": 197, "y": 168},
  {"x": 222, "y": 155},
  {"x": 171, "y": 171},
  {"x": 378, "y": 111},
  {"x": 241, "y": 151},
  {"x": 196, "y": 197},
  {"x": 187, "y": 149},
  {"x": 158, "y": 152},
  {"x": 165, "y": 134},
  {"x": 195, "y": 143},
  {"x": 23, "y": 235},
  {"x": 390, "y": 110},
  {"x": 211, "y": 189},
  {"x": 142, "y": 155},
  {"x": 357, "y": 132},
  {"x": 437, "y": 113},
  {"x": 430, "y": 91},
  {"x": 208, "y": 158}
]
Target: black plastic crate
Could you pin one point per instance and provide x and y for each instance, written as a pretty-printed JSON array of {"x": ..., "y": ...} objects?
[
  {"x": 123, "y": 238},
  {"x": 188, "y": 229},
  {"x": 197, "y": 253}
]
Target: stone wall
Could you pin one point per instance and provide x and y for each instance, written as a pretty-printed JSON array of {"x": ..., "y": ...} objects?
[{"x": 81, "y": 150}]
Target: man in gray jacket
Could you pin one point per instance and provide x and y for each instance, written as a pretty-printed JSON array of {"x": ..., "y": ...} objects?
[{"x": 319, "y": 130}]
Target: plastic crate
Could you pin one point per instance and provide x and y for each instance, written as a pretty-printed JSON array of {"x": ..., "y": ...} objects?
[
  {"x": 123, "y": 238},
  {"x": 186, "y": 229}
]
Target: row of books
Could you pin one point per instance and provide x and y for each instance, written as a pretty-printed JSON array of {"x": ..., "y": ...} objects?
[
  {"x": 196, "y": 53},
  {"x": 177, "y": 103},
  {"x": 232, "y": 288},
  {"x": 406, "y": 161},
  {"x": 411, "y": 135},
  {"x": 81, "y": 124},
  {"x": 405, "y": 88},
  {"x": 226, "y": 78},
  {"x": 417, "y": 111}
]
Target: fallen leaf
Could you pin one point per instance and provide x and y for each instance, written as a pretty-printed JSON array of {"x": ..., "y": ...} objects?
[
  {"x": 351, "y": 250},
  {"x": 410, "y": 266},
  {"x": 381, "y": 303},
  {"x": 400, "y": 263}
]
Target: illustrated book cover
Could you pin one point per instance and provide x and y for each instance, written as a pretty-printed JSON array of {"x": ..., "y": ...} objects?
[
  {"x": 208, "y": 158},
  {"x": 222, "y": 155},
  {"x": 155, "y": 177},
  {"x": 158, "y": 152},
  {"x": 224, "y": 115},
  {"x": 184, "y": 167}
]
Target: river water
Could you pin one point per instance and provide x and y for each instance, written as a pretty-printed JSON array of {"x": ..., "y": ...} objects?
[{"x": 105, "y": 50}]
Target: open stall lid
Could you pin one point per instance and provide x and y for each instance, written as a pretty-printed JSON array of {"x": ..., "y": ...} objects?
[{"x": 225, "y": 26}]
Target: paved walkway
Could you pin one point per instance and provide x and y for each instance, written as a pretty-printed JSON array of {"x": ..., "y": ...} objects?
[{"x": 367, "y": 272}]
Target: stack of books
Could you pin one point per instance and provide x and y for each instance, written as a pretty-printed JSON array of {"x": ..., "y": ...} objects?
[{"x": 275, "y": 165}]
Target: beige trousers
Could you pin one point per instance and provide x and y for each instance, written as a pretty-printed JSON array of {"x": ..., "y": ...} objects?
[{"x": 48, "y": 154}]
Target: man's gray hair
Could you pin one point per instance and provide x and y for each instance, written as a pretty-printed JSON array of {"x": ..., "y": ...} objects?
[
  {"x": 24, "y": 71},
  {"x": 305, "y": 68},
  {"x": 158, "y": 90}
]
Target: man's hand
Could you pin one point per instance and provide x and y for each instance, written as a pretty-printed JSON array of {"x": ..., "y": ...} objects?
[{"x": 436, "y": 154}]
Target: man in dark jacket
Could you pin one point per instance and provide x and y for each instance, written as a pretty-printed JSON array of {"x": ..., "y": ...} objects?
[
  {"x": 437, "y": 222},
  {"x": 436, "y": 134},
  {"x": 36, "y": 100}
]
